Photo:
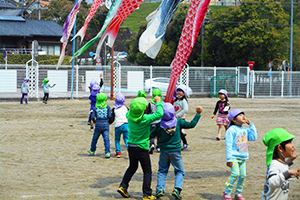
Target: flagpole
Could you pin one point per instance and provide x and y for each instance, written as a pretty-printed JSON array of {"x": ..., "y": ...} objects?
[{"x": 73, "y": 60}]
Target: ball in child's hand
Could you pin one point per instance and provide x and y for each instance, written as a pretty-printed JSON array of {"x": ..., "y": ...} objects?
[{"x": 199, "y": 109}]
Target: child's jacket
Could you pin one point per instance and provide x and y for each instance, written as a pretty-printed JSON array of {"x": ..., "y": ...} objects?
[
  {"x": 237, "y": 141},
  {"x": 277, "y": 181},
  {"x": 139, "y": 131},
  {"x": 101, "y": 114},
  {"x": 181, "y": 107},
  {"x": 171, "y": 143},
  {"x": 25, "y": 88}
]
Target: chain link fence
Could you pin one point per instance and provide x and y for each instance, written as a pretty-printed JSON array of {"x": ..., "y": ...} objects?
[{"x": 248, "y": 83}]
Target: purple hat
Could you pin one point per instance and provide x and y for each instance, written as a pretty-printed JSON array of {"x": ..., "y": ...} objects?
[
  {"x": 181, "y": 88},
  {"x": 222, "y": 91},
  {"x": 120, "y": 101},
  {"x": 92, "y": 83},
  {"x": 232, "y": 114},
  {"x": 95, "y": 90},
  {"x": 25, "y": 80},
  {"x": 168, "y": 120}
]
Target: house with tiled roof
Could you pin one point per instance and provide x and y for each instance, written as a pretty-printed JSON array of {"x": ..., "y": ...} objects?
[{"x": 17, "y": 34}]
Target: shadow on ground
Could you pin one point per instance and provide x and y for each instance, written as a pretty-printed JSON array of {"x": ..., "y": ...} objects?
[
  {"x": 210, "y": 196},
  {"x": 106, "y": 181}
]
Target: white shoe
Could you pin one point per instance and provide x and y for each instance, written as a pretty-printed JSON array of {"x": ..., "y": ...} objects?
[{"x": 151, "y": 149}]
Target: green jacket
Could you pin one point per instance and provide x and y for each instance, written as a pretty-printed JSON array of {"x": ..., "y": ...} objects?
[
  {"x": 171, "y": 143},
  {"x": 139, "y": 132}
]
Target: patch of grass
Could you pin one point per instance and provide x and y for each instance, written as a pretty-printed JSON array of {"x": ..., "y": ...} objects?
[{"x": 138, "y": 17}]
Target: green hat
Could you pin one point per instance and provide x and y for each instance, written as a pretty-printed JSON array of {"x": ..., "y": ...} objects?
[
  {"x": 101, "y": 100},
  {"x": 137, "y": 108},
  {"x": 45, "y": 81},
  {"x": 273, "y": 138},
  {"x": 142, "y": 93},
  {"x": 155, "y": 92}
]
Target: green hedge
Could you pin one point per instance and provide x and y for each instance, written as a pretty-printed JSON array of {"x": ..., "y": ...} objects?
[{"x": 41, "y": 59}]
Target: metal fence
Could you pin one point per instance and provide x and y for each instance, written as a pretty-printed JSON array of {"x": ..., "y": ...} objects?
[{"x": 248, "y": 83}]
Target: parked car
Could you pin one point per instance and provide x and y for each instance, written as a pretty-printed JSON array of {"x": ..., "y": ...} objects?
[{"x": 163, "y": 84}]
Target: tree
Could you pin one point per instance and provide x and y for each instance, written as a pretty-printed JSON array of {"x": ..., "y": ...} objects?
[{"x": 251, "y": 31}]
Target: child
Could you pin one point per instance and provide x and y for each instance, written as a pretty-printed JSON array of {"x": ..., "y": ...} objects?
[
  {"x": 138, "y": 144},
  {"x": 46, "y": 89},
  {"x": 92, "y": 101},
  {"x": 181, "y": 107},
  {"x": 222, "y": 106},
  {"x": 102, "y": 113},
  {"x": 279, "y": 143},
  {"x": 25, "y": 90},
  {"x": 141, "y": 93},
  {"x": 118, "y": 114},
  {"x": 151, "y": 108},
  {"x": 236, "y": 139},
  {"x": 93, "y": 82},
  {"x": 170, "y": 146}
]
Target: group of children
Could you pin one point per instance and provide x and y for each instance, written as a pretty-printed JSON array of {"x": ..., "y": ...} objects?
[
  {"x": 165, "y": 121},
  {"x": 145, "y": 121},
  {"x": 25, "y": 90}
]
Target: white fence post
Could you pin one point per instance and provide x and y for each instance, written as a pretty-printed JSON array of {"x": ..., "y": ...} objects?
[
  {"x": 77, "y": 80},
  {"x": 150, "y": 80},
  {"x": 252, "y": 85},
  {"x": 282, "y": 83}
]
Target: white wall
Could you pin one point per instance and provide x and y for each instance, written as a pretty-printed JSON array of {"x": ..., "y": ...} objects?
[
  {"x": 60, "y": 78},
  {"x": 8, "y": 80},
  {"x": 135, "y": 80},
  {"x": 90, "y": 75}
]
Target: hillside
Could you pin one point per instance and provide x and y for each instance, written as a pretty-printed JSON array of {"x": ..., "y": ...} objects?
[{"x": 138, "y": 17}]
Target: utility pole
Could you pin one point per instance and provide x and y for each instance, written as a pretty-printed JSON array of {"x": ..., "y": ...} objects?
[
  {"x": 291, "y": 48},
  {"x": 202, "y": 36},
  {"x": 39, "y": 8}
]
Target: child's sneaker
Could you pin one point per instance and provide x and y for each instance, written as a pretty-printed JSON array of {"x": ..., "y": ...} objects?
[
  {"x": 107, "y": 155},
  {"x": 158, "y": 149},
  {"x": 185, "y": 146},
  {"x": 226, "y": 196},
  {"x": 149, "y": 197},
  {"x": 92, "y": 128},
  {"x": 21, "y": 102},
  {"x": 151, "y": 149},
  {"x": 123, "y": 192},
  {"x": 160, "y": 193},
  {"x": 239, "y": 197},
  {"x": 218, "y": 137},
  {"x": 176, "y": 194},
  {"x": 89, "y": 123},
  {"x": 92, "y": 153},
  {"x": 118, "y": 155}
]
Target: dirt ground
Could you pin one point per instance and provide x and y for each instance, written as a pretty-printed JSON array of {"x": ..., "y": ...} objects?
[{"x": 43, "y": 152}]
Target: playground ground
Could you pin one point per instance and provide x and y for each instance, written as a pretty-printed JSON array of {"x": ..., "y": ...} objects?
[{"x": 43, "y": 152}]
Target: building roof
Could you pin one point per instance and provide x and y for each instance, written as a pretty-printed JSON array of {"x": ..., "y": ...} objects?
[
  {"x": 4, "y": 5},
  {"x": 11, "y": 12},
  {"x": 29, "y": 28}
]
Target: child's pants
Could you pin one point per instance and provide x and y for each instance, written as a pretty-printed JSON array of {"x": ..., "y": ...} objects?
[
  {"x": 165, "y": 159},
  {"x": 136, "y": 155},
  {"x": 118, "y": 131},
  {"x": 24, "y": 95},
  {"x": 101, "y": 127},
  {"x": 238, "y": 171},
  {"x": 46, "y": 96}
]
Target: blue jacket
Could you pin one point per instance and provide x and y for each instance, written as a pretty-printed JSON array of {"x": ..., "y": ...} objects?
[
  {"x": 101, "y": 114},
  {"x": 237, "y": 141},
  {"x": 92, "y": 101}
]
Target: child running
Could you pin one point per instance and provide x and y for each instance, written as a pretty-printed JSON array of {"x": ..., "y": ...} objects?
[
  {"x": 92, "y": 101},
  {"x": 279, "y": 143},
  {"x": 118, "y": 114},
  {"x": 138, "y": 144},
  {"x": 223, "y": 106},
  {"x": 46, "y": 86},
  {"x": 236, "y": 141},
  {"x": 25, "y": 90},
  {"x": 181, "y": 107},
  {"x": 151, "y": 108},
  {"x": 170, "y": 146},
  {"x": 102, "y": 113}
]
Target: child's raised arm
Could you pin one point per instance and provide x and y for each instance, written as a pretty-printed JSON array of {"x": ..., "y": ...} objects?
[{"x": 193, "y": 123}]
